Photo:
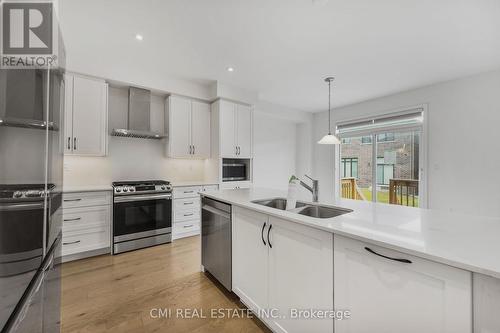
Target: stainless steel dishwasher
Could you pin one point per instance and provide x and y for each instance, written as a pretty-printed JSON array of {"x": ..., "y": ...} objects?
[{"x": 216, "y": 240}]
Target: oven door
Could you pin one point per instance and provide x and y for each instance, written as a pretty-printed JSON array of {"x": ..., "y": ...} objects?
[
  {"x": 138, "y": 216},
  {"x": 21, "y": 237}
]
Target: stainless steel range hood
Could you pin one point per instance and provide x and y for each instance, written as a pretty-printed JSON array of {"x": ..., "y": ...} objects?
[{"x": 139, "y": 116}]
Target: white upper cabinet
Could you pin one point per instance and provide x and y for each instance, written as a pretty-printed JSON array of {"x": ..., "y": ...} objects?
[
  {"x": 235, "y": 130},
  {"x": 179, "y": 130},
  {"x": 227, "y": 116},
  {"x": 392, "y": 292},
  {"x": 244, "y": 131},
  {"x": 86, "y": 116},
  {"x": 200, "y": 129},
  {"x": 188, "y": 128}
]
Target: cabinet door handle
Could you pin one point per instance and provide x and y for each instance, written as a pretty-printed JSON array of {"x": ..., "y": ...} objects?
[
  {"x": 75, "y": 219},
  {"x": 268, "y": 231},
  {"x": 262, "y": 233},
  {"x": 194, "y": 149},
  {"x": 74, "y": 143},
  {"x": 70, "y": 200},
  {"x": 405, "y": 261},
  {"x": 189, "y": 203},
  {"x": 188, "y": 191},
  {"x": 189, "y": 226},
  {"x": 69, "y": 143},
  {"x": 69, "y": 243},
  {"x": 190, "y": 214},
  {"x": 236, "y": 150}
]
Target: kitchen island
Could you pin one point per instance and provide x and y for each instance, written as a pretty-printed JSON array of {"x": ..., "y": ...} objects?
[{"x": 394, "y": 268}]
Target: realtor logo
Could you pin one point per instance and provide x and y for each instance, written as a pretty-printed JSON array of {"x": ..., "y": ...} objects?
[{"x": 28, "y": 35}]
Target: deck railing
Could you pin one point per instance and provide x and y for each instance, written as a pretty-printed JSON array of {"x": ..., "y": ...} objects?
[
  {"x": 403, "y": 192},
  {"x": 350, "y": 189}
]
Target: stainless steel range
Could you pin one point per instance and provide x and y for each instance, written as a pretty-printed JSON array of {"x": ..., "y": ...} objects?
[{"x": 142, "y": 214}]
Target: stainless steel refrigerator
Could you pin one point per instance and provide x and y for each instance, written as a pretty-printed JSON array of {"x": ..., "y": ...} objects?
[{"x": 31, "y": 176}]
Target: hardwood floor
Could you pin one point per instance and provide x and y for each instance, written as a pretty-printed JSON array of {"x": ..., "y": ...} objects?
[{"x": 116, "y": 293}]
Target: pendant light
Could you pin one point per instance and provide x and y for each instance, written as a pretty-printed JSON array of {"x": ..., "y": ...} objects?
[{"x": 329, "y": 139}]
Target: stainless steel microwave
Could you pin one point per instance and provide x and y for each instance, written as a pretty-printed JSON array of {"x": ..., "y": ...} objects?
[{"x": 234, "y": 170}]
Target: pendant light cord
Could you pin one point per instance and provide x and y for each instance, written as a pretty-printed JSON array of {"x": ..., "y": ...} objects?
[{"x": 329, "y": 107}]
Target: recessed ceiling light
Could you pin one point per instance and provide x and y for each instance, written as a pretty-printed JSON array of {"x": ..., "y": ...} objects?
[
  {"x": 139, "y": 37},
  {"x": 230, "y": 69}
]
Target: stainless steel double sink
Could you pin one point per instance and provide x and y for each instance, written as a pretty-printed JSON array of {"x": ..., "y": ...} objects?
[{"x": 304, "y": 208}]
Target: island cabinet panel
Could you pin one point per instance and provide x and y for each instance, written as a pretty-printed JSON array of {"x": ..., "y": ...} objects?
[
  {"x": 385, "y": 295},
  {"x": 300, "y": 275},
  {"x": 279, "y": 267},
  {"x": 250, "y": 258},
  {"x": 486, "y": 304}
]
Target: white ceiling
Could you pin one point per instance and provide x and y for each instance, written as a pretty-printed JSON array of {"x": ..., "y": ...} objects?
[{"x": 284, "y": 48}]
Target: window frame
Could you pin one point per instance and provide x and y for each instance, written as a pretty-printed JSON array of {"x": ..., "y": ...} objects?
[
  {"x": 351, "y": 159},
  {"x": 423, "y": 151}
]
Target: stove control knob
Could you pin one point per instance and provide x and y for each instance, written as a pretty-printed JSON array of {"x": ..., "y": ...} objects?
[
  {"x": 18, "y": 194},
  {"x": 125, "y": 189},
  {"x": 163, "y": 187},
  {"x": 131, "y": 189},
  {"x": 118, "y": 189}
]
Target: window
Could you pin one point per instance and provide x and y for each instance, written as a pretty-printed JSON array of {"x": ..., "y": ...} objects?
[
  {"x": 383, "y": 137},
  {"x": 385, "y": 171},
  {"x": 382, "y": 161},
  {"x": 349, "y": 167}
]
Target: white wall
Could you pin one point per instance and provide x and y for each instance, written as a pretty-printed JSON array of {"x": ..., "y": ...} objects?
[
  {"x": 274, "y": 151},
  {"x": 463, "y": 141}
]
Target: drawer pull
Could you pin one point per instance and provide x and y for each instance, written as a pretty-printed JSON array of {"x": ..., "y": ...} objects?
[
  {"x": 189, "y": 203},
  {"x": 189, "y": 226},
  {"x": 405, "y": 261},
  {"x": 70, "y": 200},
  {"x": 69, "y": 243},
  {"x": 190, "y": 214},
  {"x": 188, "y": 191},
  {"x": 75, "y": 219}
]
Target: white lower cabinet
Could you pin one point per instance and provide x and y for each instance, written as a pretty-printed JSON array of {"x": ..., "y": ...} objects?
[
  {"x": 282, "y": 266},
  {"x": 300, "y": 275},
  {"x": 250, "y": 258},
  {"x": 186, "y": 210},
  {"x": 86, "y": 224},
  {"x": 486, "y": 304},
  {"x": 385, "y": 295}
]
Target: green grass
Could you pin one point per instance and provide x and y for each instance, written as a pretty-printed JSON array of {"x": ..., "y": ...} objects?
[{"x": 383, "y": 196}]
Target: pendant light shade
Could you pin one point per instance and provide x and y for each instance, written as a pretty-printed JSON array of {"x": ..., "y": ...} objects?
[{"x": 329, "y": 139}]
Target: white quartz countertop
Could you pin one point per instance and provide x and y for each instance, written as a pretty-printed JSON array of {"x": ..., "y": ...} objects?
[
  {"x": 468, "y": 242},
  {"x": 86, "y": 188}
]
